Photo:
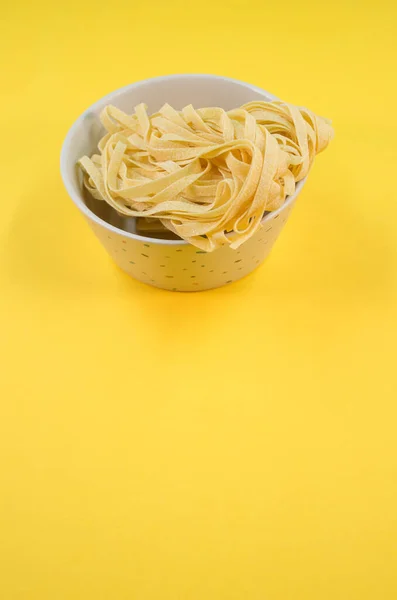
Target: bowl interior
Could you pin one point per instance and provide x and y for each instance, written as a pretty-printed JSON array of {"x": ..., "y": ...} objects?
[{"x": 177, "y": 90}]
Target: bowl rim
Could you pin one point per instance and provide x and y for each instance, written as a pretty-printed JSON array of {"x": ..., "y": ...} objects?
[{"x": 107, "y": 98}]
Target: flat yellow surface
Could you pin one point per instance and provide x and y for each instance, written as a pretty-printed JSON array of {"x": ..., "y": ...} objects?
[{"x": 238, "y": 444}]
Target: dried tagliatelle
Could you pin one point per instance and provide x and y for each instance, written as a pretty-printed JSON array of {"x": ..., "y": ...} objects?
[{"x": 208, "y": 175}]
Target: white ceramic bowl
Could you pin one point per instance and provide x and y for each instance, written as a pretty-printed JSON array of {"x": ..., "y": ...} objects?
[{"x": 170, "y": 264}]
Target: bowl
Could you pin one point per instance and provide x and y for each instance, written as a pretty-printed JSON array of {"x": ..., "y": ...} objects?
[{"x": 171, "y": 264}]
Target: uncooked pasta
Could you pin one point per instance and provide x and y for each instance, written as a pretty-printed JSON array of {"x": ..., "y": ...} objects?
[{"x": 207, "y": 174}]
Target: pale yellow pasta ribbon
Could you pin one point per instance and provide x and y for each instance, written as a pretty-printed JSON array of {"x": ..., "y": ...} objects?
[{"x": 207, "y": 174}]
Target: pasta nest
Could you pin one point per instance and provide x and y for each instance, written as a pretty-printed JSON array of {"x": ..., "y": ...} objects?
[{"x": 209, "y": 175}]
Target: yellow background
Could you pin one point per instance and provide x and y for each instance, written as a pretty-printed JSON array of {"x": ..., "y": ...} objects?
[{"x": 238, "y": 444}]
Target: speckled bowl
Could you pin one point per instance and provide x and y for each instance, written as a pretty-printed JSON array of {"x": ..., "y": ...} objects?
[{"x": 170, "y": 264}]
